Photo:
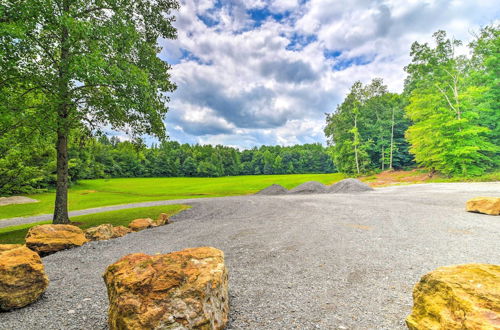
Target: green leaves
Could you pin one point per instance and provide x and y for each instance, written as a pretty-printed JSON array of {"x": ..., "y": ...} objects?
[
  {"x": 361, "y": 129},
  {"x": 107, "y": 62},
  {"x": 452, "y": 131}
]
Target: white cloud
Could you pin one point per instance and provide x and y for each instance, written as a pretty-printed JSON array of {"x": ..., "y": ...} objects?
[{"x": 247, "y": 77}]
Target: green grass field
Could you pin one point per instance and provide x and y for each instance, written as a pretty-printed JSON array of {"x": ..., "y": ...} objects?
[
  {"x": 94, "y": 193},
  {"x": 16, "y": 234}
]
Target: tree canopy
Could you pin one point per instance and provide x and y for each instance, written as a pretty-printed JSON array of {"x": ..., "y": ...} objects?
[
  {"x": 446, "y": 119},
  {"x": 69, "y": 65}
]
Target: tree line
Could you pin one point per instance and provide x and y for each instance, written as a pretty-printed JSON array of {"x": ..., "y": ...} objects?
[
  {"x": 447, "y": 119},
  {"x": 34, "y": 168}
]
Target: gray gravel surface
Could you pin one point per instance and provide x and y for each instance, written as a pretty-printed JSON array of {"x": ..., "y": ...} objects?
[{"x": 325, "y": 261}]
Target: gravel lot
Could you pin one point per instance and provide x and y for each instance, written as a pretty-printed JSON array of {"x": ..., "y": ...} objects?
[{"x": 329, "y": 261}]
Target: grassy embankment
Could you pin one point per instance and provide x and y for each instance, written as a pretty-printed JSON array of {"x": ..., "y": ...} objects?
[
  {"x": 16, "y": 234},
  {"x": 103, "y": 192}
]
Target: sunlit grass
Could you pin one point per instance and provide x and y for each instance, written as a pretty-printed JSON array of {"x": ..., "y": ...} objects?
[{"x": 104, "y": 192}]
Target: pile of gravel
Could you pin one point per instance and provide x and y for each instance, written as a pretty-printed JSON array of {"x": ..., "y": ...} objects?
[
  {"x": 274, "y": 189},
  {"x": 349, "y": 186},
  {"x": 310, "y": 187}
]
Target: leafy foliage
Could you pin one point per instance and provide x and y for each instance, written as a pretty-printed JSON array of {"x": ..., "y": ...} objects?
[
  {"x": 447, "y": 117},
  {"x": 366, "y": 131},
  {"x": 450, "y": 132},
  {"x": 66, "y": 65}
]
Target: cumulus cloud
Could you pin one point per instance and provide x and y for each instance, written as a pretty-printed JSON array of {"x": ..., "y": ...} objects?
[{"x": 265, "y": 72}]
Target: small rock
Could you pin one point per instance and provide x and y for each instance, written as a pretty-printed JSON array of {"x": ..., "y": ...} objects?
[
  {"x": 486, "y": 205},
  {"x": 162, "y": 220},
  {"x": 120, "y": 231},
  {"x": 180, "y": 290},
  {"x": 141, "y": 224},
  {"x": 47, "y": 239},
  {"x": 22, "y": 278},
  {"x": 100, "y": 233},
  {"x": 457, "y": 297}
]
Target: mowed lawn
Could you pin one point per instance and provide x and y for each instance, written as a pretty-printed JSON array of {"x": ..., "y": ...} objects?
[{"x": 102, "y": 192}]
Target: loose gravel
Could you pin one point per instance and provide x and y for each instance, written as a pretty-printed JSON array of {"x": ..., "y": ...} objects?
[
  {"x": 349, "y": 186},
  {"x": 326, "y": 261},
  {"x": 274, "y": 189},
  {"x": 310, "y": 187}
]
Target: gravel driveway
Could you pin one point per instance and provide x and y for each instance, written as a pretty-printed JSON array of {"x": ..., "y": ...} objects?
[{"x": 327, "y": 261}]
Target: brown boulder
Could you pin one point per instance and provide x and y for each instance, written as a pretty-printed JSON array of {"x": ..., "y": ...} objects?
[
  {"x": 162, "y": 219},
  {"x": 120, "y": 231},
  {"x": 179, "y": 290},
  {"x": 22, "y": 278},
  {"x": 46, "y": 239},
  {"x": 99, "y": 233},
  {"x": 5, "y": 247},
  {"x": 141, "y": 224},
  {"x": 457, "y": 297},
  {"x": 486, "y": 205}
]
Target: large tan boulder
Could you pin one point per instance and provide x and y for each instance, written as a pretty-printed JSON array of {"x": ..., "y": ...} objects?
[
  {"x": 5, "y": 247},
  {"x": 22, "y": 277},
  {"x": 163, "y": 219},
  {"x": 47, "y": 239},
  {"x": 457, "y": 297},
  {"x": 486, "y": 205},
  {"x": 180, "y": 290},
  {"x": 99, "y": 233},
  {"x": 141, "y": 224},
  {"x": 120, "y": 231}
]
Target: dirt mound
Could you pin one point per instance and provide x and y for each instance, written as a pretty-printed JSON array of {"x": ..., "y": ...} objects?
[
  {"x": 349, "y": 186},
  {"x": 16, "y": 200},
  {"x": 310, "y": 187},
  {"x": 274, "y": 189}
]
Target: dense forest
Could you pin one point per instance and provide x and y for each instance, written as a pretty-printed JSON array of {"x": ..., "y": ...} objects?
[
  {"x": 447, "y": 119},
  {"x": 92, "y": 158}
]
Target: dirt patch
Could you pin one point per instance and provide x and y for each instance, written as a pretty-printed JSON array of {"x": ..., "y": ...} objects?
[
  {"x": 388, "y": 178},
  {"x": 16, "y": 200},
  {"x": 310, "y": 187},
  {"x": 349, "y": 186},
  {"x": 274, "y": 189}
]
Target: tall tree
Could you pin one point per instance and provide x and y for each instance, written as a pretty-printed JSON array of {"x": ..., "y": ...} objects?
[
  {"x": 485, "y": 75},
  {"x": 87, "y": 63},
  {"x": 447, "y": 135},
  {"x": 367, "y": 130}
]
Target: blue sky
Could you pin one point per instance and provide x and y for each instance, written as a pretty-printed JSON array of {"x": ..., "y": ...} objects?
[{"x": 265, "y": 72}]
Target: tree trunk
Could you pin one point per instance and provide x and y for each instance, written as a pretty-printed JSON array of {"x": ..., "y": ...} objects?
[
  {"x": 356, "y": 143},
  {"x": 392, "y": 140},
  {"x": 61, "y": 205},
  {"x": 383, "y": 158}
]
